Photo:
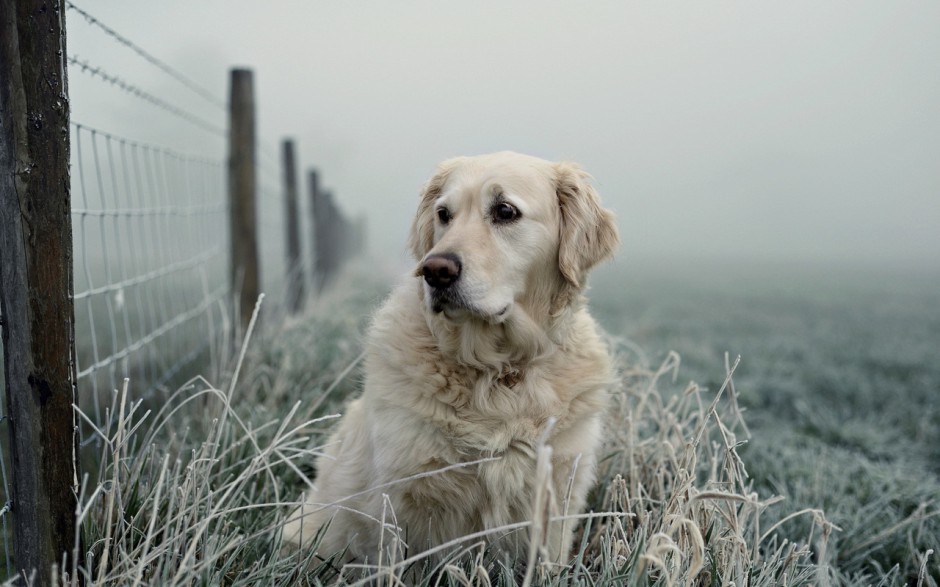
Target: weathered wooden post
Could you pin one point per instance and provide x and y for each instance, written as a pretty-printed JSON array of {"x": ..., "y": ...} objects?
[
  {"x": 36, "y": 282},
  {"x": 331, "y": 233},
  {"x": 313, "y": 186},
  {"x": 319, "y": 210},
  {"x": 344, "y": 240},
  {"x": 295, "y": 271},
  {"x": 245, "y": 276}
]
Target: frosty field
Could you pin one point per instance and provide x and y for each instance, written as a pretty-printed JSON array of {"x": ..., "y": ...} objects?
[
  {"x": 840, "y": 380},
  {"x": 833, "y": 407}
]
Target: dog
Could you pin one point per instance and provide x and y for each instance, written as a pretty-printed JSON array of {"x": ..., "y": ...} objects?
[{"x": 484, "y": 354}]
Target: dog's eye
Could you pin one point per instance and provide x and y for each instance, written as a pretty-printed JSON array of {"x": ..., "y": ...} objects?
[
  {"x": 505, "y": 212},
  {"x": 443, "y": 215}
]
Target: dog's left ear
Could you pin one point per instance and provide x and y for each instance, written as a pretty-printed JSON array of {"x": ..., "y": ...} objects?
[{"x": 588, "y": 232}]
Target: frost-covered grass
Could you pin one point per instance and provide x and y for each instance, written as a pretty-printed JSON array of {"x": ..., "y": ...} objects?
[
  {"x": 193, "y": 491},
  {"x": 840, "y": 380}
]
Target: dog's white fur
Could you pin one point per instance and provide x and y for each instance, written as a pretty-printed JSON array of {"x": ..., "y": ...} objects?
[{"x": 511, "y": 357}]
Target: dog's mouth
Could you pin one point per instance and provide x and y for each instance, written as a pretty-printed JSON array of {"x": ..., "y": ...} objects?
[{"x": 456, "y": 307}]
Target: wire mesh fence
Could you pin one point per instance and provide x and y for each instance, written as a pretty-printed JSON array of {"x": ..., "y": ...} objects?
[
  {"x": 153, "y": 296},
  {"x": 150, "y": 287}
]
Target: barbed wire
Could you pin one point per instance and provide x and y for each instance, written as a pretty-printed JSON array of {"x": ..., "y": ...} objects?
[
  {"x": 179, "y": 77},
  {"x": 180, "y": 211},
  {"x": 133, "y": 90}
]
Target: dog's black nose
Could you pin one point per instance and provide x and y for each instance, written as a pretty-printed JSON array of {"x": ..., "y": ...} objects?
[{"x": 440, "y": 271}]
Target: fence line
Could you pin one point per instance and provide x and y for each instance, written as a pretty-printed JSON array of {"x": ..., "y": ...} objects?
[{"x": 152, "y": 299}]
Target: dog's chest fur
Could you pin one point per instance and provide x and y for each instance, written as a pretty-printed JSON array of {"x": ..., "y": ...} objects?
[
  {"x": 482, "y": 411},
  {"x": 488, "y": 414}
]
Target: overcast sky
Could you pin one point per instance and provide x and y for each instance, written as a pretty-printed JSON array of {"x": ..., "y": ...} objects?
[{"x": 783, "y": 131}]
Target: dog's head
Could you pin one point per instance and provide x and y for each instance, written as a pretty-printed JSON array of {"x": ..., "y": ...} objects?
[{"x": 501, "y": 230}]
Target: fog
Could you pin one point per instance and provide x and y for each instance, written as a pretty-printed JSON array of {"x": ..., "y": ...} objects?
[{"x": 786, "y": 132}]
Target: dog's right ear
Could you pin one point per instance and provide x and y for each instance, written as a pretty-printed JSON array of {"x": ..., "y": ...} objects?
[{"x": 421, "y": 238}]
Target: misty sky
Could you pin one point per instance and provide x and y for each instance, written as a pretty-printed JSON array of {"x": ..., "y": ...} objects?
[{"x": 783, "y": 131}]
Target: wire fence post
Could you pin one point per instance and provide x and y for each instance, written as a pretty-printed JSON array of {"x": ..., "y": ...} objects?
[
  {"x": 317, "y": 229},
  {"x": 336, "y": 235},
  {"x": 243, "y": 226},
  {"x": 36, "y": 282},
  {"x": 295, "y": 271}
]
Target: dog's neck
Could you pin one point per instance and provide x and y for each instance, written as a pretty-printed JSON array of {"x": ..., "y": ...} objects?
[{"x": 525, "y": 337}]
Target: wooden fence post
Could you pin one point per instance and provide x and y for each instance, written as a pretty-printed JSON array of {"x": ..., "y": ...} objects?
[
  {"x": 319, "y": 226},
  {"x": 342, "y": 239},
  {"x": 295, "y": 270},
  {"x": 36, "y": 282},
  {"x": 330, "y": 234},
  {"x": 243, "y": 226}
]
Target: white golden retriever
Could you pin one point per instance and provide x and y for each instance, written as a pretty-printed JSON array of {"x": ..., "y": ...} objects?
[{"x": 485, "y": 352}]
